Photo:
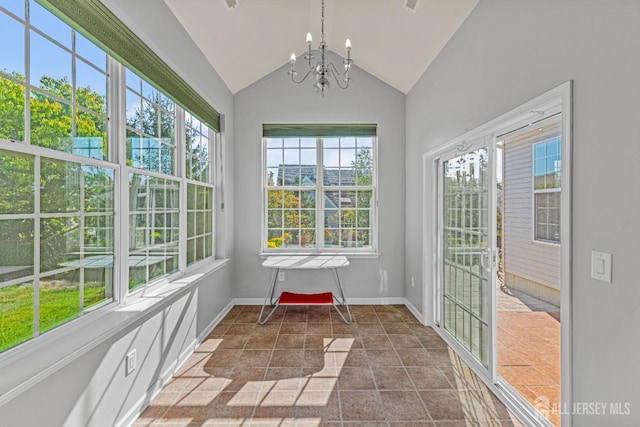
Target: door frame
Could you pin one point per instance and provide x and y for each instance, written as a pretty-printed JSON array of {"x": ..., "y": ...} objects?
[
  {"x": 464, "y": 147},
  {"x": 559, "y": 99}
]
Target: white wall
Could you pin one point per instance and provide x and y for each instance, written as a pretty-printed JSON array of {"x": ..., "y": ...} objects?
[
  {"x": 275, "y": 99},
  {"x": 506, "y": 53},
  {"x": 93, "y": 390}
]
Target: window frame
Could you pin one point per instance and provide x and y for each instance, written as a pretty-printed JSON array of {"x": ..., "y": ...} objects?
[
  {"x": 535, "y": 192},
  {"x": 320, "y": 188},
  {"x": 115, "y": 161}
]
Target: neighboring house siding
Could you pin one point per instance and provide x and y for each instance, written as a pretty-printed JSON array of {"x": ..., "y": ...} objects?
[{"x": 525, "y": 258}]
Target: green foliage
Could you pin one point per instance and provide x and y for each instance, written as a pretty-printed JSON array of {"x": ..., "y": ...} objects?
[
  {"x": 11, "y": 109},
  {"x": 363, "y": 167},
  {"x": 51, "y": 124}
]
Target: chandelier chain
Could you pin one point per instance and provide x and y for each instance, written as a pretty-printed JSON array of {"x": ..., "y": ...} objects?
[{"x": 322, "y": 23}]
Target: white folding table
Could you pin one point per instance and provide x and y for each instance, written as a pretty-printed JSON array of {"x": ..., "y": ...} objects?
[{"x": 305, "y": 262}]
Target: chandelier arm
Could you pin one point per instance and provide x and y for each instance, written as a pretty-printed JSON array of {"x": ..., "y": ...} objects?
[
  {"x": 303, "y": 78},
  {"x": 336, "y": 73}
]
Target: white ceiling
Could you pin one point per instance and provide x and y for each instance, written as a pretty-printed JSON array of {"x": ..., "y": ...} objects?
[{"x": 257, "y": 37}]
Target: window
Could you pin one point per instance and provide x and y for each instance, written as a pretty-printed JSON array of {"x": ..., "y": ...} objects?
[
  {"x": 61, "y": 237},
  {"x": 63, "y": 83},
  {"x": 319, "y": 192},
  {"x": 151, "y": 122},
  {"x": 153, "y": 145},
  {"x": 547, "y": 164},
  {"x": 61, "y": 174},
  {"x": 198, "y": 146}
]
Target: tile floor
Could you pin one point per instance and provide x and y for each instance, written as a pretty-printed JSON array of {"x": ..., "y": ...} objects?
[
  {"x": 529, "y": 348},
  {"x": 306, "y": 367}
]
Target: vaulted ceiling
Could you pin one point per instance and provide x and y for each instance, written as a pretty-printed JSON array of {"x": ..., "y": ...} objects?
[{"x": 256, "y": 37}]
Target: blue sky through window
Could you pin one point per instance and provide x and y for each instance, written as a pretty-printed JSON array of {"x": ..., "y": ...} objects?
[{"x": 47, "y": 59}]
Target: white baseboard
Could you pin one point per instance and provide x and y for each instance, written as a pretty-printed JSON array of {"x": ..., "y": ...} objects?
[
  {"x": 141, "y": 405},
  {"x": 414, "y": 311},
  {"x": 205, "y": 333},
  {"x": 351, "y": 301}
]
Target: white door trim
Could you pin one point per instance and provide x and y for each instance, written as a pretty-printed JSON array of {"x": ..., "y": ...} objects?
[{"x": 558, "y": 99}]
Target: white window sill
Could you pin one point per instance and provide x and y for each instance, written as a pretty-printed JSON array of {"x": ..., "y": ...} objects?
[
  {"x": 350, "y": 254},
  {"x": 26, "y": 365}
]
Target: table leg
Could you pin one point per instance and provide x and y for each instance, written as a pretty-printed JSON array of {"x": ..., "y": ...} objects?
[
  {"x": 342, "y": 300},
  {"x": 269, "y": 297}
]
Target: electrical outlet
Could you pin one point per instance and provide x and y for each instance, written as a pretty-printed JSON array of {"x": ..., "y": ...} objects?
[
  {"x": 130, "y": 362},
  {"x": 281, "y": 276}
]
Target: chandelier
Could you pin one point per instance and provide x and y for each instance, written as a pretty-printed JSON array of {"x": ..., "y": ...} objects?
[{"x": 322, "y": 70}]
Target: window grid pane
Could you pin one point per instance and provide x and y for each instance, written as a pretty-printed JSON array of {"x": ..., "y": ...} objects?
[
  {"x": 153, "y": 227},
  {"x": 66, "y": 92},
  {"x": 73, "y": 208},
  {"x": 547, "y": 168},
  {"x": 151, "y": 142},
  {"x": 199, "y": 223},
  {"x": 346, "y": 190}
]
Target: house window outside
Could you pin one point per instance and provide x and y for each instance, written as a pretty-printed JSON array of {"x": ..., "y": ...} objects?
[
  {"x": 547, "y": 166},
  {"x": 320, "y": 193},
  {"x": 60, "y": 177}
]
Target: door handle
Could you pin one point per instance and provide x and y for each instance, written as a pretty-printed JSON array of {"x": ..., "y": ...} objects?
[{"x": 487, "y": 266}]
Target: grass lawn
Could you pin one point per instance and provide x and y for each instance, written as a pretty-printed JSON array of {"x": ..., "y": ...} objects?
[{"x": 59, "y": 303}]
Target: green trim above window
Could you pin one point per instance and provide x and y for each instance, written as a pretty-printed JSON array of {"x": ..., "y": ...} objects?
[
  {"x": 96, "y": 22},
  {"x": 319, "y": 130}
]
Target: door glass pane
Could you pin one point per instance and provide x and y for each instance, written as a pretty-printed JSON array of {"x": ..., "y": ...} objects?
[{"x": 465, "y": 248}]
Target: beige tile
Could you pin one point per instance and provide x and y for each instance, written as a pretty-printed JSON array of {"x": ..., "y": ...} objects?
[
  {"x": 318, "y": 405},
  {"x": 253, "y": 359},
  {"x": 443, "y": 357},
  {"x": 286, "y": 358},
  {"x": 320, "y": 328},
  {"x": 361, "y": 406},
  {"x": 270, "y": 329},
  {"x": 290, "y": 341},
  {"x": 223, "y": 358},
  {"x": 360, "y": 378},
  {"x": 403, "y": 406},
  {"x": 370, "y": 328},
  {"x": 261, "y": 342},
  {"x": 376, "y": 341},
  {"x": 396, "y": 328},
  {"x": 293, "y": 328},
  {"x": 415, "y": 357},
  {"x": 240, "y": 329},
  {"x": 241, "y": 377},
  {"x": 389, "y": 317},
  {"x": 314, "y": 370},
  {"x": 231, "y": 341},
  {"x": 428, "y": 378},
  {"x": 404, "y": 341},
  {"x": 391, "y": 378},
  {"x": 445, "y": 404},
  {"x": 313, "y": 357},
  {"x": 382, "y": 358}
]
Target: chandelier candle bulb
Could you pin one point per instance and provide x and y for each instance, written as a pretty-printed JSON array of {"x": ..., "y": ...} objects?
[{"x": 321, "y": 70}]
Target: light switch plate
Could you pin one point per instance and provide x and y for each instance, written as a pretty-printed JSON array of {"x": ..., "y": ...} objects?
[{"x": 601, "y": 266}]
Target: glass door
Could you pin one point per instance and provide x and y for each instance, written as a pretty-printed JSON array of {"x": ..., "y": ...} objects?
[{"x": 467, "y": 255}]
